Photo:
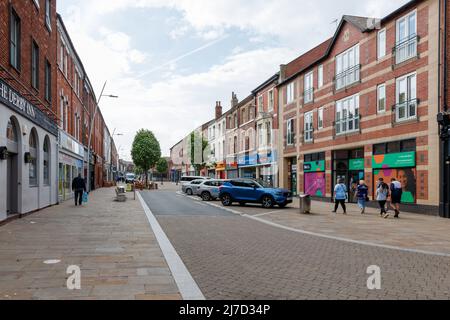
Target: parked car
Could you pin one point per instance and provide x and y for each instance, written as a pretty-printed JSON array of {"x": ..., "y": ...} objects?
[
  {"x": 191, "y": 187},
  {"x": 251, "y": 191},
  {"x": 130, "y": 178},
  {"x": 209, "y": 189},
  {"x": 188, "y": 179}
]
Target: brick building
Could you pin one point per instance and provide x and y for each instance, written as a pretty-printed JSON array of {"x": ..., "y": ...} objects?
[
  {"x": 28, "y": 115},
  {"x": 363, "y": 105}
]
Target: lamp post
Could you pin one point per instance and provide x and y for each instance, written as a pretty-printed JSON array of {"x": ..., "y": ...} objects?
[
  {"x": 111, "y": 153},
  {"x": 90, "y": 134}
]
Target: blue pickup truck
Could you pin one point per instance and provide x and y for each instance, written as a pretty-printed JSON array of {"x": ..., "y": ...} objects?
[{"x": 252, "y": 191}]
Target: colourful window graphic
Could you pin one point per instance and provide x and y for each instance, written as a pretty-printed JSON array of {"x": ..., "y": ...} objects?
[
  {"x": 406, "y": 176},
  {"x": 394, "y": 160},
  {"x": 315, "y": 184}
]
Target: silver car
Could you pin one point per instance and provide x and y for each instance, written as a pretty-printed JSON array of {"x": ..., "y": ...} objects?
[
  {"x": 209, "y": 190},
  {"x": 191, "y": 187}
]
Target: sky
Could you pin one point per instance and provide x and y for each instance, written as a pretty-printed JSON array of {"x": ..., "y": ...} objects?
[{"x": 169, "y": 61}]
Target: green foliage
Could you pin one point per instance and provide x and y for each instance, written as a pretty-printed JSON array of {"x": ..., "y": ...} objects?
[
  {"x": 162, "y": 166},
  {"x": 196, "y": 138},
  {"x": 146, "y": 150}
]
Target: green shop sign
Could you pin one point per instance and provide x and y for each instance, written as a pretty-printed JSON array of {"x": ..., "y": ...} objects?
[
  {"x": 314, "y": 166},
  {"x": 356, "y": 164},
  {"x": 394, "y": 160}
]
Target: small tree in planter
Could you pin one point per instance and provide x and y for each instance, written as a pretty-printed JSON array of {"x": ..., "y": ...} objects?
[{"x": 146, "y": 151}]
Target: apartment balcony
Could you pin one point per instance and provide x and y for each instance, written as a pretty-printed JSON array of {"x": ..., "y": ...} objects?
[
  {"x": 308, "y": 96},
  {"x": 405, "y": 50},
  {"x": 347, "y": 126},
  {"x": 405, "y": 111},
  {"x": 348, "y": 77}
]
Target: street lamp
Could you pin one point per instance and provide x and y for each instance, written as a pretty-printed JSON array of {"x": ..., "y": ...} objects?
[{"x": 90, "y": 132}]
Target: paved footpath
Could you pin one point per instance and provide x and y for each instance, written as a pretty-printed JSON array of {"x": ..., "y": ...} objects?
[{"x": 111, "y": 242}]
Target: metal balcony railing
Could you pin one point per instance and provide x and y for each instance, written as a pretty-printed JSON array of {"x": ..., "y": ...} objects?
[
  {"x": 308, "y": 95},
  {"x": 406, "y": 49},
  {"x": 347, "y": 125},
  {"x": 348, "y": 77},
  {"x": 405, "y": 111}
]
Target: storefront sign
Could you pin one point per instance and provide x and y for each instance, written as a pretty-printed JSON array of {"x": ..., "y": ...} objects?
[
  {"x": 314, "y": 166},
  {"x": 394, "y": 160},
  {"x": 70, "y": 144},
  {"x": 248, "y": 160},
  {"x": 356, "y": 164},
  {"x": 13, "y": 100},
  {"x": 267, "y": 157},
  {"x": 220, "y": 166}
]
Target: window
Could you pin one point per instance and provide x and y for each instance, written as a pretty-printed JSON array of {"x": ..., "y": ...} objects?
[
  {"x": 320, "y": 118},
  {"x": 406, "y": 38},
  {"x": 35, "y": 65},
  {"x": 33, "y": 170},
  {"x": 320, "y": 76},
  {"x": 15, "y": 40},
  {"x": 406, "y": 107},
  {"x": 290, "y": 132},
  {"x": 347, "y": 115},
  {"x": 235, "y": 121},
  {"x": 48, "y": 9},
  {"x": 268, "y": 134},
  {"x": 271, "y": 101},
  {"x": 260, "y": 135},
  {"x": 309, "y": 127},
  {"x": 308, "y": 94},
  {"x": 347, "y": 68},
  {"x": 11, "y": 131},
  {"x": 381, "y": 48},
  {"x": 243, "y": 119},
  {"x": 261, "y": 104},
  {"x": 381, "y": 100},
  {"x": 395, "y": 147},
  {"x": 290, "y": 95},
  {"x": 46, "y": 164},
  {"x": 36, "y": 3},
  {"x": 48, "y": 81}
]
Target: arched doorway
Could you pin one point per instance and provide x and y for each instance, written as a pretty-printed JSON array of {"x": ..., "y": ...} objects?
[{"x": 12, "y": 166}]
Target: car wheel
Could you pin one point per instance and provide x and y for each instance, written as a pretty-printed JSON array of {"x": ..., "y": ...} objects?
[
  {"x": 267, "y": 202},
  {"x": 226, "y": 200},
  {"x": 189, "y": 192},
  {"x": 206, "y": 196}
]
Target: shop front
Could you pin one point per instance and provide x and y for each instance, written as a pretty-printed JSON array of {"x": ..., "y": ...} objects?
[
  {"x": 247, "y": 165},
  {"x": 71, "y": 160},
  {"x": 232, "y": 171},
  {"x": 348, "y": 165},
  {"x": 402, "y": 167},
  {"x": 220, "y": 170},
  {"x": 268, "y": 169},
  {"x": 292, "y": 175},
  {"x": 314, "y": 178}
]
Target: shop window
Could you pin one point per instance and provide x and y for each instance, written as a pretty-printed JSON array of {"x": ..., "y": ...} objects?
[
  {"x": 11, "y": 131},
  {"x": 393, "y": 147},
  {"x": 33, "y": 170},
  {"x": 46, "y": 164},
  {"x": 308, "y": 158},
  {"x": 408, "y": 145},
  {"x": 357, "y": 153},
  {"x": 341, "y": 154},
  {"x": 379, "y": 149}
]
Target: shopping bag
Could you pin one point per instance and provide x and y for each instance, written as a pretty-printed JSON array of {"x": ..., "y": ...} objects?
[{"x": 85, "y": 197}]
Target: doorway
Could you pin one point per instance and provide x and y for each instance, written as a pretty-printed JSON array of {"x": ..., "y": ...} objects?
[{"x": 12, "y": 180}]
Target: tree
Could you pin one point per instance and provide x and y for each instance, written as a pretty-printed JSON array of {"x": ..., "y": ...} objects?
[
  {"x": 198, "y": 160},
  {"x": 146, "y": 151},
  {"x": 162, "y": 166}
]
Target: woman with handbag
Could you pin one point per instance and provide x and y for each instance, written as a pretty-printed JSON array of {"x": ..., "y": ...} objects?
[{"x": 362, "y": 194}]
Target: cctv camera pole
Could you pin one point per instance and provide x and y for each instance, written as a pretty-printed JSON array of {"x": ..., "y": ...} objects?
[{"x": 90, "y": 137}]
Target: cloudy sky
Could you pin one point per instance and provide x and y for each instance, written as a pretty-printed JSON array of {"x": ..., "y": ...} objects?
[{"x": 170, "y": 60}]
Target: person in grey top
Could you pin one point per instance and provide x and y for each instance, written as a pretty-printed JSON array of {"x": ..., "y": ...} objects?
[{"x": 382, "y": 194}]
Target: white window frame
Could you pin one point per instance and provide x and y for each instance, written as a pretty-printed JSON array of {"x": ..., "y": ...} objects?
[
  {"x": 308, "y": 120},
  {"x": 320, "y": 118},
  {"x": 271, "y": 99},
  {"x": 36, "y": 3},
  {"x": 290, "y": 128},
  {"x": 379, "y": 97},
  {"x": 347, "y": 115},
  {"x": 410, "y": 104},
  {"x": 320, "y": 76},
  {"x": 260, "y": 135},
  {"x": 347, "y": 71},
  {"x": 308, "y": 93},
  {"x": 290, "y": 93},
  {"x": 260, "y": 103},
  {"x": 406, "y": 48},
  {"x": 269, "y": 133},
  {"x": 381, "y": 44},
  {"x": 48, "y": 21}
]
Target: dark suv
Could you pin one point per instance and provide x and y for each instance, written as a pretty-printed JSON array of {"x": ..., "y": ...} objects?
[{"x": 252, "y": 191}]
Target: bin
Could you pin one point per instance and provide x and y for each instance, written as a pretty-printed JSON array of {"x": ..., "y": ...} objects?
[{"x": 305, "y": 204}]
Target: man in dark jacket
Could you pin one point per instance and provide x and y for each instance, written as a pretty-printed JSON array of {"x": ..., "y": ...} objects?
[{"x": 78, "y": 186}]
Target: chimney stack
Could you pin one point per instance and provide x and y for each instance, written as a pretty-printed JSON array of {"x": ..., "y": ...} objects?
[
  {"x": 218, "y": 110},
  {"x": 234, "y": 100}
]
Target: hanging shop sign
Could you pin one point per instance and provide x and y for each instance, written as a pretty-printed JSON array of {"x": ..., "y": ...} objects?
[
  {"x": 394, "y": 160},
  {"x": 314, "y": 166},
  {"x": 356, "y": 164},
  {"x": 16, "y": 102}
]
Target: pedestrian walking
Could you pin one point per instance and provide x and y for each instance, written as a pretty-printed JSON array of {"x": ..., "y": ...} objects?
[
  {"x": 396, "y": 196},
  {"x": 79, "y": 187},
  {"x": 340, "y": 195},
  {"x": 382, "y": 194},
  {"x": 362, "y": 194}
]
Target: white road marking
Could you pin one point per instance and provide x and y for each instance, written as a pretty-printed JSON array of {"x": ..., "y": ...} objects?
[
  {"x": 264, "y": 214},
  {"x": 273, "y": 224},
  {"x": 189, "y": 289}
]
